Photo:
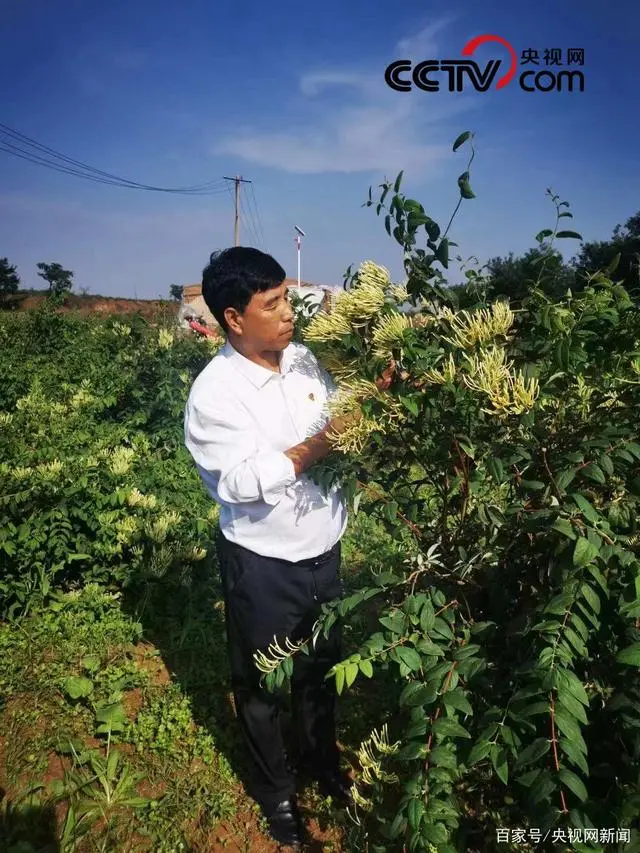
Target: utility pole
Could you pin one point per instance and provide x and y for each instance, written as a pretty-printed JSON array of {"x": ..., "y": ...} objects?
[{"x": 236, "y": 227}]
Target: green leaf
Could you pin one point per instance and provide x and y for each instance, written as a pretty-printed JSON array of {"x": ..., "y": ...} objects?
[
  {"x": 415, "y": 811},
  {"x": 442, "y": 252},
  {"x": 479, "y": 751},
  {"x": 461, "y": 139},
  {"x": 409, "y": 657},
  {"x": 351, "y": 673},
  {"x": 541, "y": 235},
  {"x": 567, "y": 725},
  {"x": 594, "y": 472},
  {"x": 564, "y": 527},
  {"x": 410, "y": 404},
  {"x": 396, "y": 186},
  {"x": 411, "y": 751},
  {"x": 416, "y": 694},
  {"x": 585, "y": 507},
  {"x": 591, "y": 597},
  {"x": 569, "y": 748},
  {"x": 568, "y": 778},
  {"x": 339, "y": 679},
  {"x": 427, "y": 617},
  {"x": 570, "y": 703},
  {"x": 366, "y": 668},
  {"x": 499, "y": 761},
  {"x": 457, "y": 700},
  {"x": 569, "y": 681},
  {"x": 533, "y": 752},
  {"x": 571, "y": 234},
  {"x": 91, "y": 662},
  {"x": 563, "y": 478},
  {"x": 630, "y": 655},
  {"x": 77, "y": 686},
  {"x": 449, "y": 727},
  {"x": 465, "y": 186},
  {"x": 584, "y": 552}
]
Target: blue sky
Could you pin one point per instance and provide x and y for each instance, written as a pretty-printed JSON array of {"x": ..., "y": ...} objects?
[{"x": 292, "y": 96}]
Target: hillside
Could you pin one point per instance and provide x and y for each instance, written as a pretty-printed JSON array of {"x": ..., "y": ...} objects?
[{"x": 28, "y": 300}]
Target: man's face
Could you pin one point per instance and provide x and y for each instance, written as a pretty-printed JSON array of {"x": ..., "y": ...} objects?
[{"x": 267, "y": 322}]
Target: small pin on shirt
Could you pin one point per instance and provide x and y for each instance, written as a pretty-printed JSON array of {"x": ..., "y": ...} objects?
[{"x": 311, "y": 397}]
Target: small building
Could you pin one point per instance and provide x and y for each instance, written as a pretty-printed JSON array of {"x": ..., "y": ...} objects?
[{"x": 194, "y": 306}]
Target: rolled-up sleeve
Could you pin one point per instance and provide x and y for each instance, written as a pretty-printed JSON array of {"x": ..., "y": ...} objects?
[{"x": 224, "y": 442}]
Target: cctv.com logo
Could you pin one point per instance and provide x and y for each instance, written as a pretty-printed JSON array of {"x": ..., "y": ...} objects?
[{"x": 456, "y": 75}]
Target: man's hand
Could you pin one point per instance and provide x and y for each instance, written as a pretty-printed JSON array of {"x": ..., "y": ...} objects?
[{"x": 383, "y": 382}]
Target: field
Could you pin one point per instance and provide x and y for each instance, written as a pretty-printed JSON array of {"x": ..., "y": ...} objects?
[
  {"x": 117, "y": 729},
  {"x": 491, "y": 675}
]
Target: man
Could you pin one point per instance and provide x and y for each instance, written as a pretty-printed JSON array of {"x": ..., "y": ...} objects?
[{"x": 255, "y": 421}]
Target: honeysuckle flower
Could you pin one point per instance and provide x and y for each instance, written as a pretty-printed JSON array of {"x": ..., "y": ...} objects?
[
  {"x": 136, "y": 498},
  {"x": 353, "y": 308},
  {"x": 120, "y": 460},
  {"x": 490, "y": 374},
  {"x": 476, "y": 327},
  {"x": 198, "y": 554},
  {"x": 50, "y": 470},
  {"x": 120, "y": 329},
  {"x": 22, "y": 472},
  {"x": 443, "y": 376},
  {"x": 165, "y": 339},
  {"x": 389, "y": 333},
  {"x": 5, "y": 418},
  {"x": 126, "y": 528},
  {"x": 370, "y": 763},
  {"x": 158, "y": 529}
]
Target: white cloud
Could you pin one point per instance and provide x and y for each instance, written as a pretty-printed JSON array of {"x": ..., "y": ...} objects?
[
  {"x": 424, "y": 44},
  {"x": 365, "y": 127}
]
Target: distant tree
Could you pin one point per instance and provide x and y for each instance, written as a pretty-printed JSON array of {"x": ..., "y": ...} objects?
[
  {"x": 60, "y": 280},
  {"x": 515, "y": 276},
  {"x": 599, "y": 254},
  {"x": 175, "y": 292},
  {"x": 9, "y": 279}
]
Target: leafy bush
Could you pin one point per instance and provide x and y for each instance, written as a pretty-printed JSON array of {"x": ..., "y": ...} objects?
[
  {"x": 96, "y": 483},
  {"x": 506, "y": 447}
]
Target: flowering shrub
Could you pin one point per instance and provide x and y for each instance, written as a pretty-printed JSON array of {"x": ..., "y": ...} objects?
[
  {"x": 507, "y": 446},
  {"x": 95, "y": 482}
]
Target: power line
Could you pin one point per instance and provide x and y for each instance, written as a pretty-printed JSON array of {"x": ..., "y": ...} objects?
[
  {"x": 257, "y": 213},
  {"x": 48, "y": 157},
  {"x": 248, "y": 214}
]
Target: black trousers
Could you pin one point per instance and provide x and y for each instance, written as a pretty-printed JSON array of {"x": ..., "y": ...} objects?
[{"x": 264, "y": 597}]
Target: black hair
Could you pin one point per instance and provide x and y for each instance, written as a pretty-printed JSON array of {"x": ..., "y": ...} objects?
[{"x": 233, "y": 275}]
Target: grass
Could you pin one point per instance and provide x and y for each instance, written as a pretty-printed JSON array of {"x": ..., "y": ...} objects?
[{"x": 117, "y": 730}]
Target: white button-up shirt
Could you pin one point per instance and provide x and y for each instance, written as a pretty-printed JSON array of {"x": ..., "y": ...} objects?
[{"x": 239, "y": 419}]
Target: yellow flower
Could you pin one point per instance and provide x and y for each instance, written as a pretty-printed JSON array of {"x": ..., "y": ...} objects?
[
  {"x": 443, "y": 376},
  {"x": 353, "y": 308},
  {"x": 388, "y": 334},
  {"x": 158, "y": 529},
  {"x": 477, "y": 327},
  {"x": 198, "y": 554},
  {"x": 490, "y": 374},
  {"x": 136, "y": 498},
  {"x": 165, "y": 339},
  {"x": 50, "y": 470},
  {"x": 22, "y": 472},
  {"x": 120, "y": 460},
  {"x": 121, "y": 330},
  {"x": 126, "y": 528}
]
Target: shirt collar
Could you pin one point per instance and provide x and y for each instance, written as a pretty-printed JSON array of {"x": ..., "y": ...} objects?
[{"x": 255, "y": 373}]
